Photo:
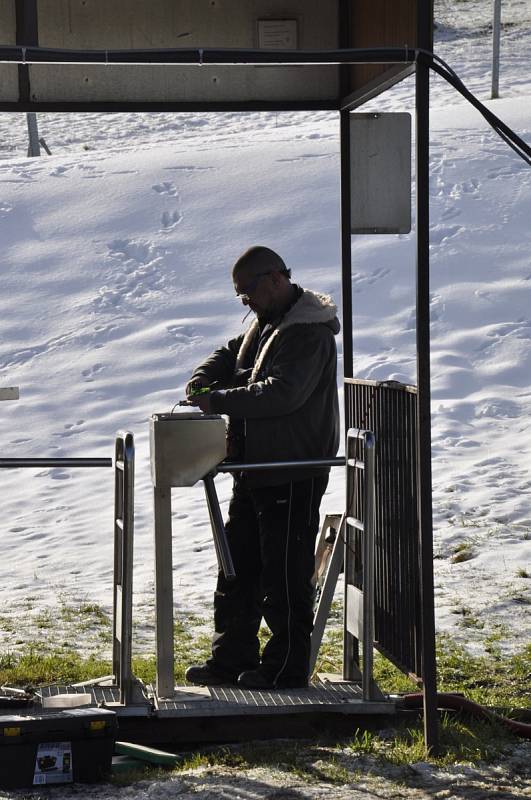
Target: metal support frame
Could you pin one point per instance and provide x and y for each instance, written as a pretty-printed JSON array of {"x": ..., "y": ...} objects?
[
  {"x": 359, "y": 604},
  {"x": 496, "y": 27},
  {"x": 124, "y": 477},
  {"x": 346, "y": 244},
  {"x": 424, "y": 478},
  {"x": 164, "y": 557},
  {"x": 164, "y": 574},
  {"x": 163, "y": 590},
  {"x": 27, "y": 34}
]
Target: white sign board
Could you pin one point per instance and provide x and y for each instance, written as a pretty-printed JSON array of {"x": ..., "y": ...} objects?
[
  {"x": 380, "y": 173},
  {"x": 277, "y": 34}
]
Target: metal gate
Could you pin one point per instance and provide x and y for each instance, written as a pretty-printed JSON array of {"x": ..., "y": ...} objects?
[{"x": 389, "y": 410}]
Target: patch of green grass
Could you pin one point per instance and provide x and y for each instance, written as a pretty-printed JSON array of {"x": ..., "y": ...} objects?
[
  {"x": 364, "y": 742},
  {"x": 35, "y": 666},
  {"x": 8, "y": 624},
  {"x": 493, "y": 679},
  {"x": 341, "y": 762},
  {"x": 522, "y": 573},
  {"x": 463, "y": 552},
  {"x": 44, "y": 620},
  {"x": 468, "y": 619},
  {"x": 460, "y": 740}
]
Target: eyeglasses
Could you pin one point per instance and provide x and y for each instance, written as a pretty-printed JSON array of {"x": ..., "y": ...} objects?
[{"x": 251, "y": 286}]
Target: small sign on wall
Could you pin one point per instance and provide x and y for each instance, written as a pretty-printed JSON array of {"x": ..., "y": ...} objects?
[
  {"x": 277, "y": 34},
  {"x": 380, "y": 173}
]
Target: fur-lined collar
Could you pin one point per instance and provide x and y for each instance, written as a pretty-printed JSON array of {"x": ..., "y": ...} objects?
[{"x": 310, "y": 308}]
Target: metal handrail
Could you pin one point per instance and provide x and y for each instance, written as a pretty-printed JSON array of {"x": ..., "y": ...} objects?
[
  {"x": 367, "y": 526},
  {"x": 124, "y": 478},
  {"x": 312, "y": 463},
  {"x": 18, "y": 463}
]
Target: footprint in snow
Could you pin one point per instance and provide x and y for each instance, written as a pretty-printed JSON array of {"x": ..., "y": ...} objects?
[
  {"x": 133, "y": 276},
  {"x": 59, "y": 172},
  {"x": 360, "y": 280},
  {"x": 166, "y": 188},
  {"x": 70, "y": 429},
  {"x": 450, "y": 213},
  {"x": 183, "y": 336},
  {"x": 89, "y": 373},
  {"x": 143, "y": 252},
  {"x": 170, "y": 219},
  {"x": 440, "y": 233}
]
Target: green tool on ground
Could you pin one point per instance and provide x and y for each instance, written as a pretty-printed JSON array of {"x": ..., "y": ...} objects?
[{"x": 140, "y": 753}]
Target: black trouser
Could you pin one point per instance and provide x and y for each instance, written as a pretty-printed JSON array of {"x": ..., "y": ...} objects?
[{"x": 271, "y": 533}]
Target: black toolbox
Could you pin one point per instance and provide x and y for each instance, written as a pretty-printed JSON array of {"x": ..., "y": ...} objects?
[{"x": 56, "y": 747}]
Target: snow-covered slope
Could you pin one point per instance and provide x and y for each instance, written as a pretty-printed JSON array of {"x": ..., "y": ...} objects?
[{"x": 115, "y": 283}]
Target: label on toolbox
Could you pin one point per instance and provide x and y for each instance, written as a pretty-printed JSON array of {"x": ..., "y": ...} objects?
[{"x": 53, "y": 763}]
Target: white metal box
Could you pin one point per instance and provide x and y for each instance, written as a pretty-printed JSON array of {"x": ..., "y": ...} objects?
[{"x": 185, "y": 447}]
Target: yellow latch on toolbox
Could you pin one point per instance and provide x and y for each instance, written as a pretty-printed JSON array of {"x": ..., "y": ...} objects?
[
  {"x": 97, "y": 724},
  {"x": 11, "y": 731}
]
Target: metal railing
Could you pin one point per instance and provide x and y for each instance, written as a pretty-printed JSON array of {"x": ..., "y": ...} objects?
[
  {"x": 389, "y": 410},
  {"x": 36, "y": 463},
  {"x": 359, "y": 559},
  {"x": 123, "y": 545},
  {"x": 124, "y": 478}
]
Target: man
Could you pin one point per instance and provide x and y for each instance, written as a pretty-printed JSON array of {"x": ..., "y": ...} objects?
[{"x": 277, "y": 384}]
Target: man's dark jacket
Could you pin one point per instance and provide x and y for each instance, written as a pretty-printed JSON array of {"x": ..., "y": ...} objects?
[{"x": 287, "y": 408}]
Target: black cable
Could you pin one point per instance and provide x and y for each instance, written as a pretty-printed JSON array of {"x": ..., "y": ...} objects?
[{"x": 515, "y": 142}]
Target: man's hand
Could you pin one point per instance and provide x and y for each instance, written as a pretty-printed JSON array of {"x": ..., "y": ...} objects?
[
  {"x": 194, "y": 385},
  {"x": 201, "y": 401}
]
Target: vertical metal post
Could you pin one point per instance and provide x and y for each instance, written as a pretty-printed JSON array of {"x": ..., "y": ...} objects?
[
  {"x": 124, "y": 465},
  {"x": 422, "y": 99},
  {"x": 163, "y": 590},
  {"x": 351, "y": 653},
  {"x": 27, "y": 33},
  {"x": 350, "y": 644},
  {"x": 346, "y": 244},
  {"x": 34, "y": 148},
  {"x": 368, "y": 566},
  {"x": 345, "y": 41},
  {"x": 496, "y": 26}
]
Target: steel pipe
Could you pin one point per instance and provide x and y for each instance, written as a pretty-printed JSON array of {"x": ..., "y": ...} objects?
[
  {"x": 35, "y": 463},
  {"x": 306, "y": 464}
]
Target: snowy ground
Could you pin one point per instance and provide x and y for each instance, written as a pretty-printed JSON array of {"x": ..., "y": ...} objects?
[{"x": 115, "y": 283}]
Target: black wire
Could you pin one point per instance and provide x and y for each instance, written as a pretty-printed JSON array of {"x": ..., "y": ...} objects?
[
  {"x": 503, "y": 130},
  {"x": 515, "y": 142}
]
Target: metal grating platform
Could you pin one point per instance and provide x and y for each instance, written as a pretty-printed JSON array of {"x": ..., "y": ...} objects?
[
  {"x": 100, "y": 694},
  {"x": 228, "y": 701},
  {"x": 198, "y": 702},
  {"x": 104, "y": 695}
]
